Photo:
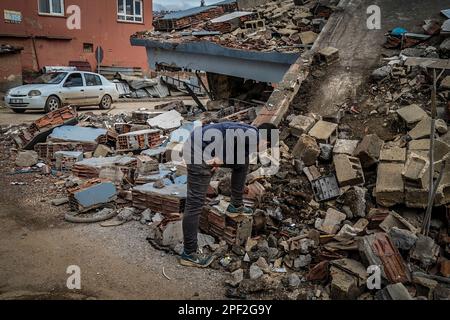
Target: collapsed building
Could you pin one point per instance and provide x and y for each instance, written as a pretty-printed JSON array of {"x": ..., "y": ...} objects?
[{"x": 341, "y": 201}]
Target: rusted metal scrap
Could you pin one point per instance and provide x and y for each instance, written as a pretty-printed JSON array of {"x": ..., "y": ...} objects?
[
  {"x": 93, "y": 194},
  {"x": 378, "y": 249},
  {"x": 41, "y": 128}
]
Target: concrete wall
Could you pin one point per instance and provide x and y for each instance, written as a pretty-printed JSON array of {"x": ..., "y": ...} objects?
[
  {"x": 10, "y": 71},
  {"x": 99, "y": 26}
]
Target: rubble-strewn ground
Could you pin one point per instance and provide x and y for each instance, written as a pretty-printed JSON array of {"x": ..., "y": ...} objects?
[
  {"x": 37, "y": 246},
  {"x": 370, "y": 143}
]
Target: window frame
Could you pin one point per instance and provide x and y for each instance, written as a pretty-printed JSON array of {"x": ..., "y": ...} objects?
[
  {"x": 51, "y": 13},
  {"x": 124, "y": 14},
  {"x": 95, "y": 76},
  {"x": 82, "y": 80}
]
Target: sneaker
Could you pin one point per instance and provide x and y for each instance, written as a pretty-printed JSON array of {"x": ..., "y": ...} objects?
[
  {"x": 235, "y": 211},
  {"x": 195, "y": 260}
]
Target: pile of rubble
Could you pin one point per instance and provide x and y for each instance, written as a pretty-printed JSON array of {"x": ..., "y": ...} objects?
[{"x": 274, "y": 26}]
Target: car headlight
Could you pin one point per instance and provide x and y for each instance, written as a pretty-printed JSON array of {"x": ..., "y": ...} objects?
[
  {"x": 34, "y": 93},
  {"x": 8, "y": 93}
]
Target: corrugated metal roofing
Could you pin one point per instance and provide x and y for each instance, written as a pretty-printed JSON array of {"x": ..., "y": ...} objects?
[
  {"x": 186, "y": 13},
  {"x": 194, "y": 11}
]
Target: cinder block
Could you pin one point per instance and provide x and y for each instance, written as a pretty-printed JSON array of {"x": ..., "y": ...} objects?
[
  {"x": 368, "y": 150},
  {"x": 389, "y": 189},
  {"x": 348, "y": 170}
]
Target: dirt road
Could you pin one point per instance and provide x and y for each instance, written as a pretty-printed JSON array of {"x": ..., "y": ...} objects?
[
  {"x": 7, "y": 116},
  {"x": 37, "y": 246}
]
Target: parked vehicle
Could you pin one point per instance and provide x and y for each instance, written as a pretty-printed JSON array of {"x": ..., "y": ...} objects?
[{"x": 56, "y": 89}]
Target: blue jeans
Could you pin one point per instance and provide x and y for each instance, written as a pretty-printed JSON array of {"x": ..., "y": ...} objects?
[{"x": 198, "y": 180}]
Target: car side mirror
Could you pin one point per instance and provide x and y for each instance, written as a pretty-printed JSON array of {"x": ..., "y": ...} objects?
[{"x": 68, "y": 84}]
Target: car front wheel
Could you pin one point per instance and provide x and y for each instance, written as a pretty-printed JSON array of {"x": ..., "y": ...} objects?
[
  {"x": 106, "y": 102},
  {"x": 53, "y": 103}
]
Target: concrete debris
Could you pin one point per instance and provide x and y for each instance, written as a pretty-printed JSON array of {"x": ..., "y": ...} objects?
[
  {"x": 368, "y": 150},
  {"x": 425, "y": 251},
  {"x": 27, "y": 158},
  {"x": 402, "y": 239},
  {"x": 393, "y": 154},
  {"x": 324, "y": 215},
  {"x": 389, "y": 189},
  {"x": 324, "y": 132},
  {"x": 412, "y": 114},
  {"x": 65, "y": 160},
  {"x": 396, "y": 291},
  {"x": 348, "y": 170},
  {"x": 344, "y": 146},
  {"x": 167, "y": 121},
  {"x": 255, "y": 272},
  {"x": 301, "y": 125},
  {"x": 306, "y": 150},
  {"x": 332, "y": 221}
]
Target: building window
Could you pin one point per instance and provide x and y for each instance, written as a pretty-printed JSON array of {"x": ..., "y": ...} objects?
[
  {"x": 129, "y": 10},
  {"x": 51, "y": 7},
  {"x": 88, "y": 48}
]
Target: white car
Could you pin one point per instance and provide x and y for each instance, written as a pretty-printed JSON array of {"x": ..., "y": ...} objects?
[{"x": 54, "y": 90}]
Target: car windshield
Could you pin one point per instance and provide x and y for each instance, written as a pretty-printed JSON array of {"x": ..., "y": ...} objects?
[{"x": 51, "y": 78}]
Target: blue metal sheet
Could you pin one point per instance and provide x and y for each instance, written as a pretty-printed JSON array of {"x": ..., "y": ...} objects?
[
  {"x": 98, "y": 194},
  {"x": 75, "y": 133}
]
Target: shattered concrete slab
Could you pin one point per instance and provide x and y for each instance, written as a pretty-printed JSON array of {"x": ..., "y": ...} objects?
[
  {"x": 324, "y": 132},
  {"x": 368, "y": 150},
  {"x": 301, "y": 125},
  {"x": 90, "y": 168},
  {"x": 415, "y": 172},
  {"x": 393, "y": 154},
  {"x": 426, "y": 251},
  {"x": 421, "y": 130},
  {"x": 169, "y": 120},
  {"x": 26, "y": 158},
  {"x": 344, "y": 146},
  {"x": 306, "y": 150},
  {"x": 389, "y": 189},
  {"x": 396, "y": 291},
  {"x": 348, "y": 170},
  {"x": 412, "y": 114},
  {"x": 332, "y": 221}
]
